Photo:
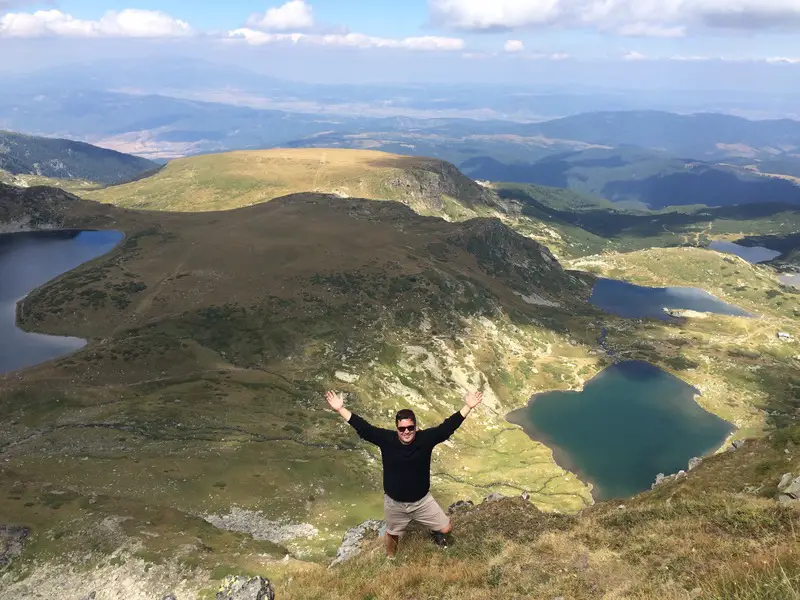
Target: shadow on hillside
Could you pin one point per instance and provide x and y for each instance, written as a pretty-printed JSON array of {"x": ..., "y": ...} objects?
[
  {"x": 712, "y": 187},
  {"x": 616, "y": 224}
]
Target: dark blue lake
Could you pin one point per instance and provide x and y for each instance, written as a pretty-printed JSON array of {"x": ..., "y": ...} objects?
[
  {"x": 636, "y": 301},
  {"x": 752, "y": 254},
  {"x": 27, "y": 261},
  {"x": 630, "y": 422}
]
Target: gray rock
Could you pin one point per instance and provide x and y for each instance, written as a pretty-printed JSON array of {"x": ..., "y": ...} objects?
[
  {"x": 694, "y": 462},
  {"x": 169, "y": 597},
  {"x": 789, "y": 488},
  {"x": 736, "y": 444},
  {"x": 659, "y": 480},
  {"x": 351, "y": 543},
  {"x": 245, "y": 588},
  {"x": 91, "y": 596},
  {"x": 525, "y": 495},
  {"x": 493, "y": 497},
  {"x": 12, "y": 539},
  {"x": 460, "y": 506}
]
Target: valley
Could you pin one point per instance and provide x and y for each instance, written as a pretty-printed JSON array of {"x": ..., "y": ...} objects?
[{"x": 189, "y": 438}]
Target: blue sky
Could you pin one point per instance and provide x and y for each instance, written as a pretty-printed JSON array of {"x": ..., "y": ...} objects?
[
  {"x": 376, "y": 17},
  {"x": 474, "y": 37}
]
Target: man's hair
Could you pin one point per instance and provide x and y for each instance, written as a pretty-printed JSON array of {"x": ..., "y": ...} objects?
[{"x": 406, "y": 413}]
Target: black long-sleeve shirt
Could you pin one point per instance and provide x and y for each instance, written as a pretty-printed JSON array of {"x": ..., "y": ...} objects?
[{"x": 406, "y": 467}]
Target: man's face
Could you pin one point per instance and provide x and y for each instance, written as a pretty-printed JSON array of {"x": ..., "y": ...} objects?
[{"x": 406, "y": 431}]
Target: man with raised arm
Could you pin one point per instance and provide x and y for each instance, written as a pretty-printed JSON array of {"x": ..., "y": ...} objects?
[{"x": 406, "y": 455}]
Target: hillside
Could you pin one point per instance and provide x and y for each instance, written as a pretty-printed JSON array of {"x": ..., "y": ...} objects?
[
  {"x": 66, "y": 159},
  {"x": 716, "y": 534},
  {"x": 214, "y": 334},
  {"x": 237, "y": 179},
  {"x": 634, "y": 175},
  {"x": 575, "y": 224},
  {"x": 212, "y": 339}
]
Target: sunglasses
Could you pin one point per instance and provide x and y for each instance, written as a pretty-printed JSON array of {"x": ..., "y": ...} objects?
[{"x": 406, "y": 428}]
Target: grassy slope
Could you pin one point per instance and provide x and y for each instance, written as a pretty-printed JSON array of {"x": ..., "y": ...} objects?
[
  {"x": 213, "y": 338},
  {"x": 716, "y": 534},
  {"x": 236, "y": 179},
  {"x": 252, "y": 368}
]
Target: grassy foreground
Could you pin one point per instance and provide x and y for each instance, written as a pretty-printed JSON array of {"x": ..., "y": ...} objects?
[{"x": 716, "y": 534}]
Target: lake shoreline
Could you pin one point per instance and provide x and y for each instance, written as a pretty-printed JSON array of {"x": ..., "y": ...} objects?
[
  {"x": 28, "y": 261},
  {"x": 570, "y": 461}
]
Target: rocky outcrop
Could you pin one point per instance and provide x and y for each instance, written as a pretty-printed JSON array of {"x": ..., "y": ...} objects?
[
  {"x": 12, "y": 540},
  {"x": 351, "y": 544},
  {"x": 259, "y": 527},
  {"x": 245, "y": 588},
  {"x": 33, "y": 208},
  {"x": 529, "y": 268},
  {"x": 460, "y": 506},
  {"x": 661, "y": 478},
  {"x": 427, "y": 181},
  {"x": 789, "y": 489}
]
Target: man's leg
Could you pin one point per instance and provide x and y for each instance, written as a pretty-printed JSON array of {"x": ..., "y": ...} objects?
[
  {"x": 430, "y": 514},
  {"x": 396, "y": 522},
  {"x": 391, "y": 544}
]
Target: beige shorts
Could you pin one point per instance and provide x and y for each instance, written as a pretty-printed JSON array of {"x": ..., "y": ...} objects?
[{"x": 425, "y": 511}]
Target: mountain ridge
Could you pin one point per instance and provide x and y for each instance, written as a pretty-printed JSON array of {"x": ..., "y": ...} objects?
[{"x": 61, "y": 158}]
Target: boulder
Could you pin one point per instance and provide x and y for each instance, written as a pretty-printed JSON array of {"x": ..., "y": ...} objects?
[
  {"x": 460, "y": 506},
  {"x": 694, "y": 462},
  {"x": 493, "y": 497},
  {"x": 245, "y": 588},
  {"x": 789, "y": 489},
  {"x": 351, "y": 543},
  {"x": 736, "y": 444}
]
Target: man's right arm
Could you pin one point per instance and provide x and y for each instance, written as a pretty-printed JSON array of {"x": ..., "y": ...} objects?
[{"x": 366, "y": 431}]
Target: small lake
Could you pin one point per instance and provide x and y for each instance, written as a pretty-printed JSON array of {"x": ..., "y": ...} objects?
[
  {"x": 630, "y": 422},
  {"x": 27, "y": 261},
  {"x": 754, "y": 254},
  {"x": 636, "y": 301}
]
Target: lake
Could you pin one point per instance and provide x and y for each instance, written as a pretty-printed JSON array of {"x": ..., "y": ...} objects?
[
  {"x": 754, "y": 254},
  {"x": 27, "y": 261},
  {"x": 630, "y": 422},
  {"x": 636, "y": 301}
]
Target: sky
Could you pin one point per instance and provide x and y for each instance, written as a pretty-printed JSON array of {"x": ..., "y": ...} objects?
[{"x": 464, "y": 40}]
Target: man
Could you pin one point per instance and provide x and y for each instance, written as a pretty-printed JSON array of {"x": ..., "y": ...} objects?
[{"x": 406, "y": 455}]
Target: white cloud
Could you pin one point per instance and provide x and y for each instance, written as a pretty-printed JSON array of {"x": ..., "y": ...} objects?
[
  {"x": 659, "y": 18},
  {"x": 633, "y": 55},
  {"x": 783, "y": 60},
  {"x": 349, "y": 40},
  {"x": 514, "y": 46},
  {"x": 130, "y": 23},
  {"x": 295, "y": 15}
]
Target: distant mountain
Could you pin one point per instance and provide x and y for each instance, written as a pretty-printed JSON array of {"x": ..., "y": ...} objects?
[
  {"x": 66, "y": 159},
  {"x": 655, "y": 179},
  {"x": 697, "y": 136}
]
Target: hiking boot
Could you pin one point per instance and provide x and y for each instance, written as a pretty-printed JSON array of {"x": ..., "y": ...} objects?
[{"x": 440, "y": 539}]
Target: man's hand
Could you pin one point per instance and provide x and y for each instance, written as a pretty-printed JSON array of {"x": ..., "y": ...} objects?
[
  {"x": 335, "y": 400},
  {"x": 472, "y": 399}
]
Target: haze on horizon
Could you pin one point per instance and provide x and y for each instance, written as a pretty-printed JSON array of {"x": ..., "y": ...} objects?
[{"x": 702, "y": 45}]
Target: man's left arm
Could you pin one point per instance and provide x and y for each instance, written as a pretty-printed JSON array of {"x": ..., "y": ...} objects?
[{"x": 448, "y": 427}]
